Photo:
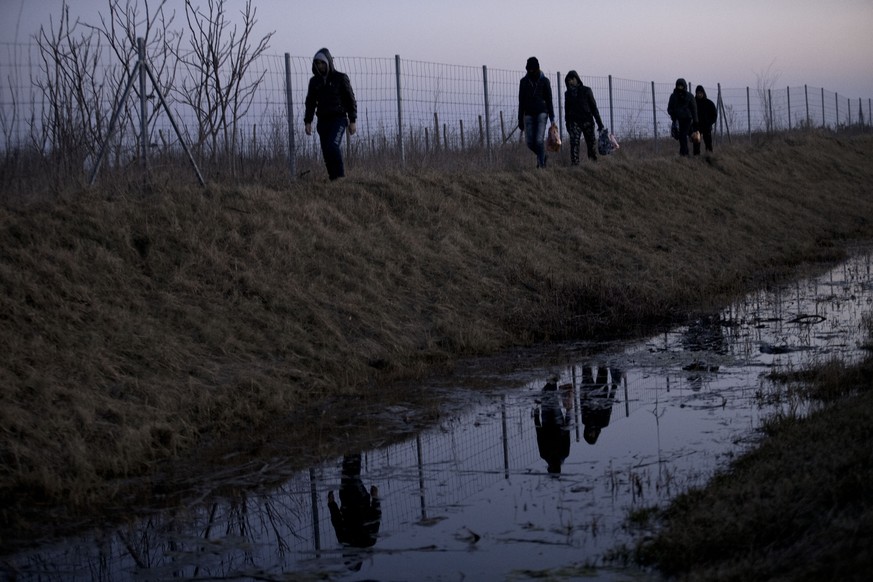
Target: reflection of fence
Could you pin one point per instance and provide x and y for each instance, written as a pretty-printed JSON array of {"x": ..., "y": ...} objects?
[{"x": 403, "y": 105}]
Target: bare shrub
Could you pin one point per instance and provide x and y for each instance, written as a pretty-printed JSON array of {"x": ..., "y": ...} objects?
[{"x": 217, "y": 84}]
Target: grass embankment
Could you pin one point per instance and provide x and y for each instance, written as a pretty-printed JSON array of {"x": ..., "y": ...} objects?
[
  {"x": 136, "y": 326},
  {"x": 797, "y": 507}
]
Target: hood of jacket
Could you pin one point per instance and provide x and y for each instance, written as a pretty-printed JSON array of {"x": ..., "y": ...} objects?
[
  {"x": 700, "y": 89},
  {"x": 323, "y": 55},
  {"x": 572, "y": 75},
  {"x": 681, "y": 85}
]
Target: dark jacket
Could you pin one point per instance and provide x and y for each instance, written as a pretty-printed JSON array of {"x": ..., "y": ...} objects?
[
  {"x": 579, "y": 104},
  {"x": 681, "y": 104},
  {"x": 329, "y": 96},
  {"x": 707, "y": 114},
  {"x": 535, "y": 97}
]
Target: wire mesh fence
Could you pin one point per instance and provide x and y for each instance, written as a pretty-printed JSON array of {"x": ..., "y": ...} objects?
[{"x": 58, "y": 107}]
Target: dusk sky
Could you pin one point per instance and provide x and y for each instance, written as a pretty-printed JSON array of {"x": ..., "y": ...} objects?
[{"x": 791, "y": 42}]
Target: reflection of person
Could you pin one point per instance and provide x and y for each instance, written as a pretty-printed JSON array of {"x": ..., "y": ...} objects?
[
  {"x": 357, "y": 522},
  {"x": 535, "y": 107},
  {"x": 707, "y": 115},
  {"x": 682, "y": 109},
  {"x": 598, "y": 396},
  {"x": 552, "y": 422},
  {"x": 580, "y": 113},
  {"x": 331, "y": 98}
]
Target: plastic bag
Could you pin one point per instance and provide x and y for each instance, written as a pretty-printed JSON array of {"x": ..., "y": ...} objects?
[
  {"x": 606, "y": 142},
  {"x": 674, "y": 129},
  {"x": 695, "y": 136},
  {"x": 553, "y": 140}
]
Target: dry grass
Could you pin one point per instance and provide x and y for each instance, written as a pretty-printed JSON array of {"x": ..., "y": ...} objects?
[{"x": 135, "y": 326}]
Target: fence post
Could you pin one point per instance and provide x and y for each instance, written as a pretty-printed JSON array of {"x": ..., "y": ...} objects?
[
  {"x": 837, "y": 104},
  {"x": 849, "y": 110},
  {"x": 143, "y": 119},
  {"x": 788, "y": 97},
  {"x": 749, "y": 112},
  {"x": 436, "y": 131},
  {"x": 487, "y": 110},
  {"x": 771, "y": 125},
  {"x": 654, "y": 118},
  {"x": 824, "y": 121},
  {"x": 399, "y": 110},
  {"x": 611, "y": 117},
  {"x": 806, "y": 98},
  {"x": 292, "y": 146}
]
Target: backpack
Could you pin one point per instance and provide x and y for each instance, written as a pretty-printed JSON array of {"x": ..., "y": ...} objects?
[{"x": 606, "y": 142}]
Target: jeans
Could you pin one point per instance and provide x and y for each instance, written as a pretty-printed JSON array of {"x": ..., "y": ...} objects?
[
  {"x": 578, "y": 130},
  {"x": 684, "y": 130},
  {"x": 330, "y": 133},
  {"x": 534, "y": 135}
]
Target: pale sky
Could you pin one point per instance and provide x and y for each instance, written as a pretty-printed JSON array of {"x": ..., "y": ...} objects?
[{"x": 821, "y": 43}]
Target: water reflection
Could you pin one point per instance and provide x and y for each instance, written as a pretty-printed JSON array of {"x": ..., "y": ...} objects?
[
  {"x": 492, "y": 491},
  {"x": 552, "y": 424}
]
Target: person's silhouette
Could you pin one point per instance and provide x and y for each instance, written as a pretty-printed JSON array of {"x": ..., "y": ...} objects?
[
  {"x": 597, "y": 399},
  {"x": 552, "y": 422},
  {"x": 357, "y": 522}
]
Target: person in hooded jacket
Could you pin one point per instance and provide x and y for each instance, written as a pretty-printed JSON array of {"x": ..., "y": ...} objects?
[
  {"x": 682, "y": 109},
  {"x": 534, "y": 108},
  {"x": 707, "y": 115},
  {"x": 580, "y": 113},
  {"x": 330, "y": 97}
]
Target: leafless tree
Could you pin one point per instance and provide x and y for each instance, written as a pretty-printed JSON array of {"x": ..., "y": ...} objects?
[
  {"x": 767, "y": 80},
  {"x": 73, "y": 93},
  {"x": 121, "y": 26},
  {"x": 217, "y": 85}
]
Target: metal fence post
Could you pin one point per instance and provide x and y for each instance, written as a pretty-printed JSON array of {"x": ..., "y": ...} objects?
[
  {"x": 806, "y": 98},
  {"x": 824, "y": 122},
  {"x": 837, "y": 104},
  {"x": 749, "y": 112},
  {"x": 292, "y": 146},
  {"x": 611, "y": 116},
  {"x": 788, "y": 97},
  {"x": 487, "y": 110},
  {"x": 654, "y": 117},
  {"x": 399, "y": 110}
]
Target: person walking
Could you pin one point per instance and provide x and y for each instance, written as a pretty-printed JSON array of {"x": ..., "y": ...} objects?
[
  {"x": 535, "y": 108},
  {"x": 580, "y": 113},
  {"x": 552, "y": 419},
  {"x": 707, "y": 115},
  {"x": 330, "y": 97},
  {"x": 682, "y": 110}
]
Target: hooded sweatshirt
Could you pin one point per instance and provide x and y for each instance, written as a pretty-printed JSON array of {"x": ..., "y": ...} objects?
[
  {"x": 534, "y": 94},
  {"x": 329, "y": 96},
  {"x": 579, "y": 104},
  {"x": 707, "y": 113},
  {"x": 681, "y": 104}
]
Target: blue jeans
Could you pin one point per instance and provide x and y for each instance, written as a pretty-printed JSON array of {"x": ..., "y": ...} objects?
[
  {"x": 534, "y": 135},
  {"x": 330, "y": 133}
]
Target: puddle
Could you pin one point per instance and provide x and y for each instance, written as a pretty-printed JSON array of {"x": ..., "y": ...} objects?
[{"x": 525, "y": 479}]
